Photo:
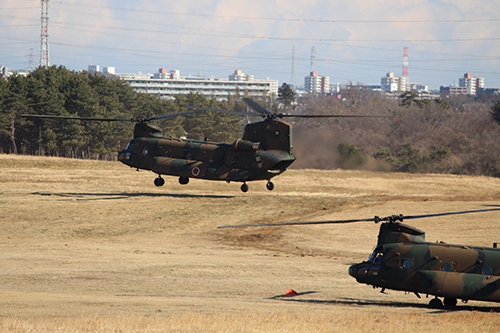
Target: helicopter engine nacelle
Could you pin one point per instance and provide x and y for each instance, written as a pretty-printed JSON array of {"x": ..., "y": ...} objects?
[{"x": 245, "y": 145}]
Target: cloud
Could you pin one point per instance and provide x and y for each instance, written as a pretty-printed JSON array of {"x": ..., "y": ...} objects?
[{"x": 354, "y": 40}]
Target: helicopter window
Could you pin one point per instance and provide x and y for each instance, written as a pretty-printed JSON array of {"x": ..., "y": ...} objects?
[
  {"x": 486, "y": 270},
  {"x": 378, "y": 251},
  {"x": 447, "y": 267},
  {"x": 374, "y": 270},
  {"x": 407, "y": 264},
  {"x": 130, "y": 146},
  {"x": 377, "y": 257}
]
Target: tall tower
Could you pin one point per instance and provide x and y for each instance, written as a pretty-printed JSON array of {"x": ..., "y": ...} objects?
[
  {"x": 292, "y": 79},
  {"x": 313, "y": 61},
  {"x": 44, "y": 34},
  {"x": 405, "y": 65}
]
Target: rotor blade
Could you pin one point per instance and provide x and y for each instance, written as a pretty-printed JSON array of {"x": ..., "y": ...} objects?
[
  {"x": 200, "y": 108},
  {"x": 376, "y": 219},
  {"x": 257, "y": 107},
  {"x": 450, "y": 213},
  {"x": 73, "y": 118},
  {"x": 297, "y": 223},
  {"x": 329, "y": 116}
]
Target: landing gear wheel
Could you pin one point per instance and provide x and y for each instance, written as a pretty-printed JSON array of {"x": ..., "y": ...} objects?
[
  {"x": 159, "y": 181},
  {"x": 244, "y": 187},
  {"x": 183, "y": 180},
  {"x": 436, "y": 303},
  {"x": 450, "y": 302},
  {"x": 270, "y": 185}
]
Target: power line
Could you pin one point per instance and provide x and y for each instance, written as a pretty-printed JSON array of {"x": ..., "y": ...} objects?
[
  {"x": 295, "y": 39},
  {"x": 284, "y": 19}
]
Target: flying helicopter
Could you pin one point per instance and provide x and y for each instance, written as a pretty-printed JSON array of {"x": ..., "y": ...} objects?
[
  {"x": 264, "y": 151},
  {"x": 403, "y": 260}
]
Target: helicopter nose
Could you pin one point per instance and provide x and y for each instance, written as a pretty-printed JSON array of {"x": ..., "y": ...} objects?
[{"x": 352, "y": 271}]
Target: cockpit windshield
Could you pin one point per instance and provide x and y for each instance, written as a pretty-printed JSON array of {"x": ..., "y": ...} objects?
[
  {"x": 377, "y": 257},
  {"x": 130, "y": 146}
]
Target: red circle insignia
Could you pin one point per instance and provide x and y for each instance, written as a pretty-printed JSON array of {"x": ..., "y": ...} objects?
[{"x": 195, "y": 171}]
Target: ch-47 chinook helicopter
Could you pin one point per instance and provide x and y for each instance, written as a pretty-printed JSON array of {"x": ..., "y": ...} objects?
[
  {"x": 264, "y": 151},
  {"x": 403, "y": 260}
]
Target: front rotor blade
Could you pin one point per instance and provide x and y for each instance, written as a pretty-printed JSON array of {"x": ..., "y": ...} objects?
[
  {"x": 73, "y": 118},
  {"x": 450, "y": 213},
  {"x": 376, "y": 219},
  {"x": 298, "y": 223}
]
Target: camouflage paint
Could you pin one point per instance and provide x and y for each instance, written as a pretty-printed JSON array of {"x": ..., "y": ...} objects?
[
  {"x": 406, "y": 262},
  {"x": 263, "y": 153}
]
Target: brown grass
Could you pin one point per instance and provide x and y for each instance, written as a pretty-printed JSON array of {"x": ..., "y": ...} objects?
[{"x": 89, "y": 246}]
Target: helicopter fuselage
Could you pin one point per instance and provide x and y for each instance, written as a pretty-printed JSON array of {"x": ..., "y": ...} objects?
[
  {"x": 440, "y": 269},
  {"x": 264, "y": 151},
  {"x": 242, "y": 161}
]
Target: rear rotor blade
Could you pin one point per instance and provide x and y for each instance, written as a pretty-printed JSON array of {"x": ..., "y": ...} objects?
[{"x": 258, "y": 108}]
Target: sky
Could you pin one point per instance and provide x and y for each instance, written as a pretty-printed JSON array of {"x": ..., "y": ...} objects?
[{"x": 356, "y": 41}]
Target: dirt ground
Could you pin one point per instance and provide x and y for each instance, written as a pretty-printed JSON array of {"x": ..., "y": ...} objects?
[{"x": 92, "y": 246}]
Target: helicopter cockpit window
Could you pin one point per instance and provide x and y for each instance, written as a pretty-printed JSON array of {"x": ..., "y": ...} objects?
[
  {"x": 130, "y": 146},
  {"x": 377, "y": 257}
]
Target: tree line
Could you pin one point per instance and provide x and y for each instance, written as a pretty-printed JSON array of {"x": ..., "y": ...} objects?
[
  {"x": 457, "y": 135},
  {"x": 60, "y": 92}
]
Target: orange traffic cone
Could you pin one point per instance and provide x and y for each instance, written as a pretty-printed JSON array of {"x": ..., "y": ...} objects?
[{"x": 291, "y": 292}]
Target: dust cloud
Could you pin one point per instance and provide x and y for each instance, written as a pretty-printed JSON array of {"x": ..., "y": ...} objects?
[{"x": 316, "y": 148}]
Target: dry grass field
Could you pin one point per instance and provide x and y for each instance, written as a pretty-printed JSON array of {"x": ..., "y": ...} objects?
[{"x": 90, "y": 246}]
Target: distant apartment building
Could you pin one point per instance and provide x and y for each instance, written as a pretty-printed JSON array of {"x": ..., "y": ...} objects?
[
  {"x": 94, "y": 68},
  {"x": 392, "y": 83},
  {"x": 467, "y": 85},
  {"x": 170, "y": 84},
  {"x": 417, "y": 87},
  {"x": 452, "y": 91},
  {"x": 109, "y": 70},
  {"x": 315, "y": 84},
  {"x": 238, "y": 75},
  {"x": 4, "y": 71},
  {"x": 472, "y": 84}
]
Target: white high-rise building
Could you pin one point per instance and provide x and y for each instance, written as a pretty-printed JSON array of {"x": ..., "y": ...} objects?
[
  {"x": 315, "y": 84},
  {"x": 471, "y": 83},
  {"x": 109, "y": 70},
  {"x": 392, "y": 83}
]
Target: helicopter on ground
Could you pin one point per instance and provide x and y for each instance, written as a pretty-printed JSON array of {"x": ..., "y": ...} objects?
[
  {"x": 403, "y": 260},
  {"x": 264, "y": 151}
]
